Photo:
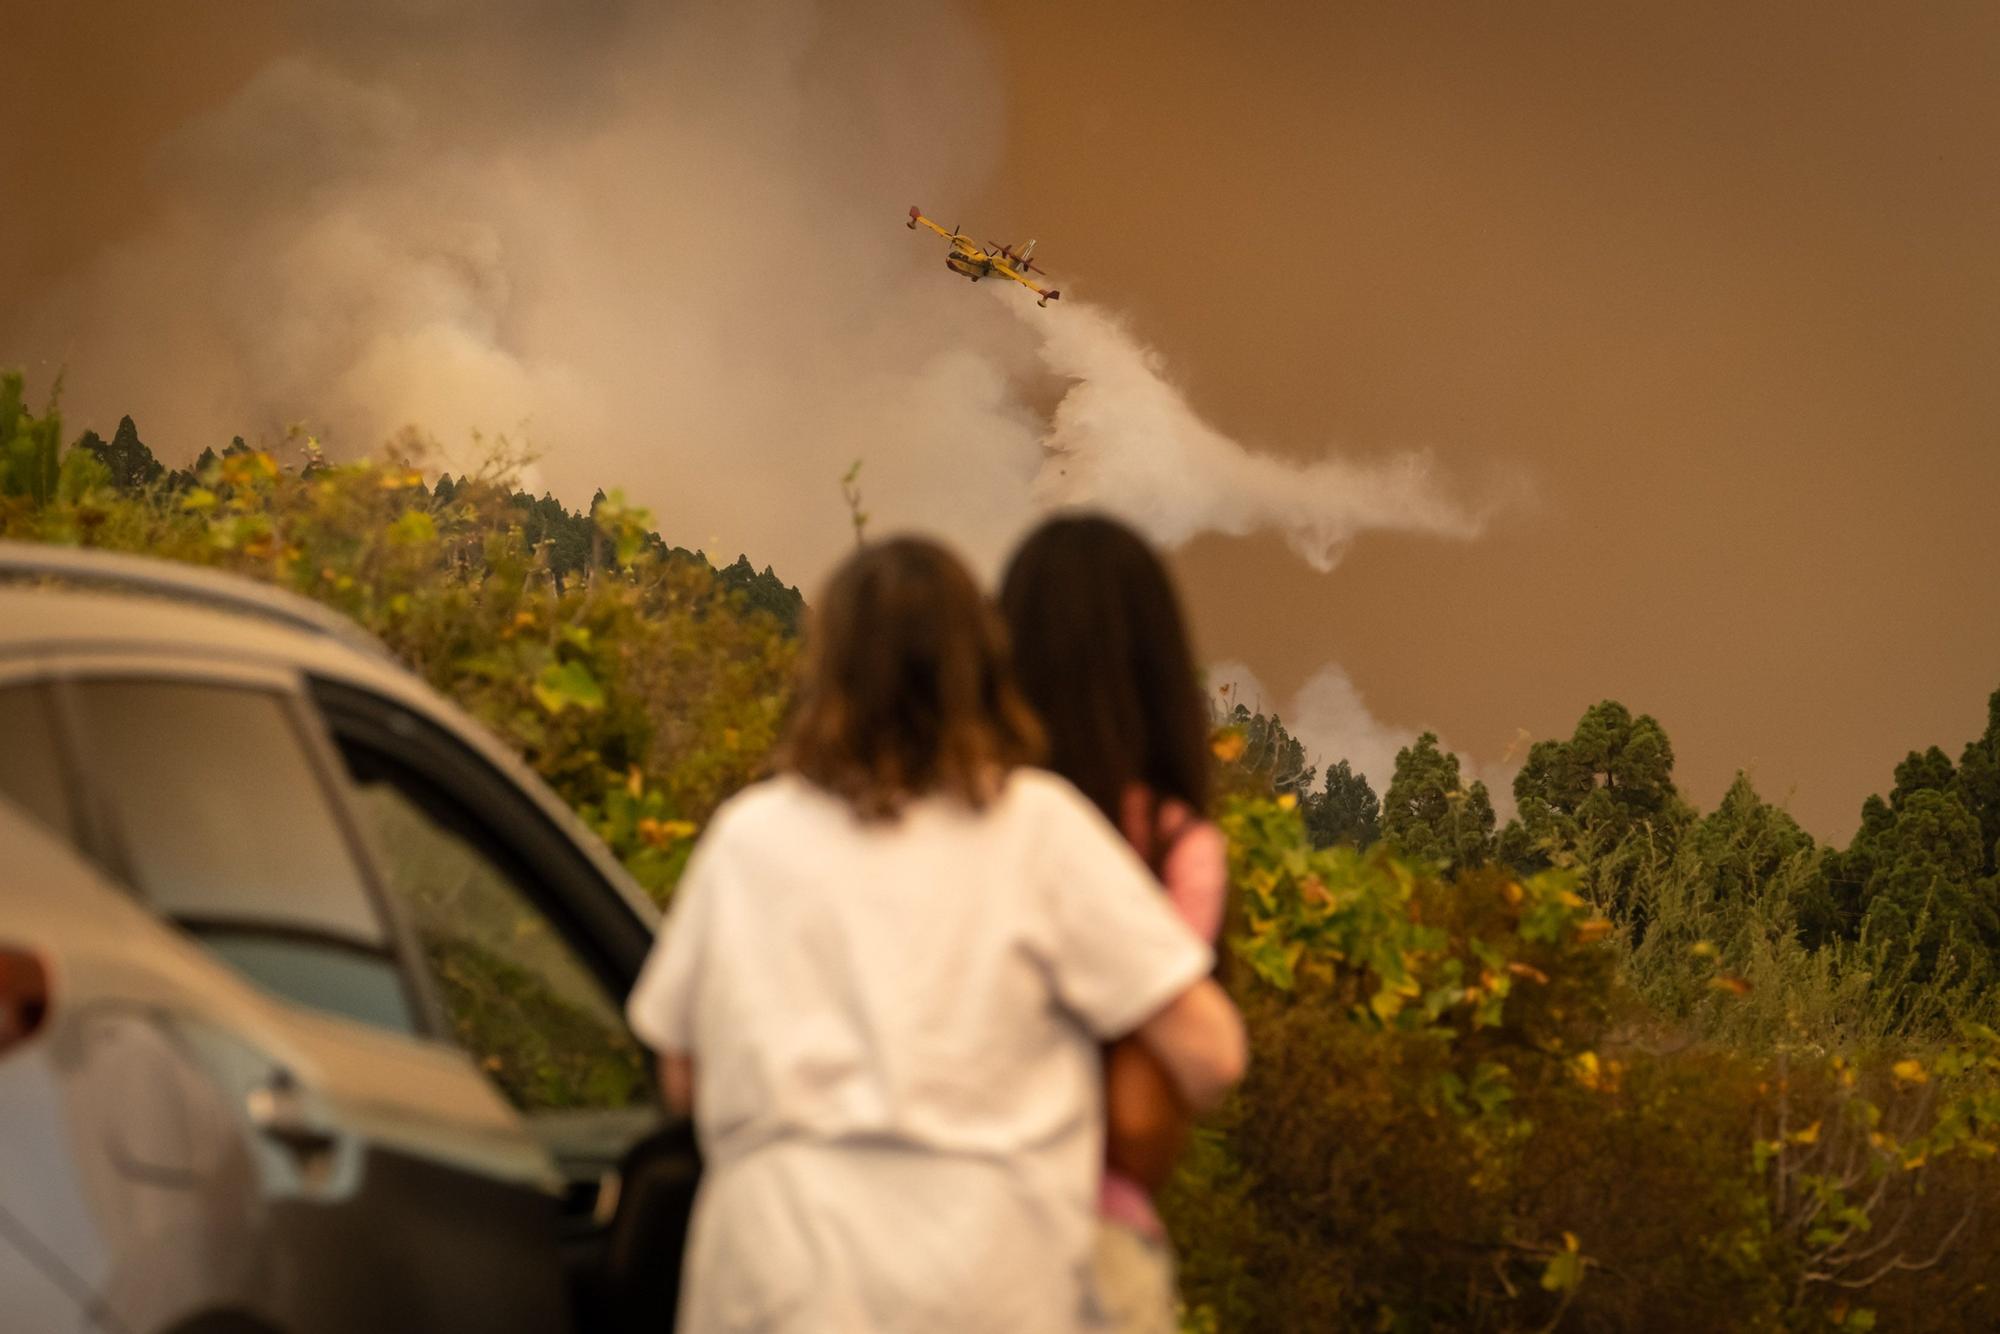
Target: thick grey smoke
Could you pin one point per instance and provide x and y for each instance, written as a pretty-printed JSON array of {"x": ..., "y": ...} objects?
[{"x": 661, "y": 248}]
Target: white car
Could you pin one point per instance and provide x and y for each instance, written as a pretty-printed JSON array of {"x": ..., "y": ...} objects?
[{"x": 310, "y": 993}]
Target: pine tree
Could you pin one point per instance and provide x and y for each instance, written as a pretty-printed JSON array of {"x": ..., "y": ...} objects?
[
  {"x": 1431, "y": 815},
  {"x": 128, "y": 460},
  {"x": 1605, "y": 798},
  {"x": 1344, "y": 810}
]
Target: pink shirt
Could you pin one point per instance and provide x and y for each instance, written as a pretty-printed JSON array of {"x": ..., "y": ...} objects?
[{"x": 1195, "y": 874}]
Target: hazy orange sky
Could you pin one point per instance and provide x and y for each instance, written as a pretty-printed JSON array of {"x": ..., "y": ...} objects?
[
  {"x": 1718, "y": 284},
  {"x": 1723, "y": 279}
]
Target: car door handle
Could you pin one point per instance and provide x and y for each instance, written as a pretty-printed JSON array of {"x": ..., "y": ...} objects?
[{"x": 278, "y": 1109}]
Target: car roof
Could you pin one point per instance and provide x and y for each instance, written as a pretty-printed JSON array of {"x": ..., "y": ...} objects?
[
  {"x": 127, "y": 606},
  {"x": 188, "y": 585}
]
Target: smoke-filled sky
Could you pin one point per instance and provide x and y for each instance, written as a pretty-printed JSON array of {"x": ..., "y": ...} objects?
[{"x": 1478, "y": 362}]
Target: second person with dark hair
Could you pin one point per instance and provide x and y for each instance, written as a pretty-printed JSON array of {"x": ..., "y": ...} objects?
[{"x": 1103, "y": 656}]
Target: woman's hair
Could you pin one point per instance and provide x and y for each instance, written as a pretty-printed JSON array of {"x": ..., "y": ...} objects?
[
  {"x": 1101, "y": 650},
  {"x": 908, "y": 687}
]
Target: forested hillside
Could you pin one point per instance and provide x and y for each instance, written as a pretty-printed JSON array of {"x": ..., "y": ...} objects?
[
  {"x": 1618, "y": 1064},
  {"x": 642, "y": 682},
  {"x": 1899, "y": 930}
]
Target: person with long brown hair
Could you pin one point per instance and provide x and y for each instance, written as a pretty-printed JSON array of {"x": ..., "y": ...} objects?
[
  {"x": 1102, "y": 652},
  {"x": 884, "y": 984}
]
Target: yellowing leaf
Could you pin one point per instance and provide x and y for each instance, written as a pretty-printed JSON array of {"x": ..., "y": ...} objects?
[
  {"x": 1810, "y": 1135},
  {"x": 1229, "y": 746},
  {"x": 661, "y": 833},
  {"x": 568, "y": 685},
  {"x": 1909, "y": 1072},
  {"x": 1565, "y": 1271},
  {"x": 1592, "y": 929}
]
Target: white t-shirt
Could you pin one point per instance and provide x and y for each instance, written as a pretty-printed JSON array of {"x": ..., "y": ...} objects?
[{"x": 896, "y": 1033}]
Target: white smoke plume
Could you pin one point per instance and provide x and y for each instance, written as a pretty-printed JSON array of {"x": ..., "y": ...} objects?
[
  {"x": 660, "y": 246},
  {"x": 1124, "y": 439}
]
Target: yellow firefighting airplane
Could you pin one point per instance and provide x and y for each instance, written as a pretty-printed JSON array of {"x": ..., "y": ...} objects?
[{"x": 975, "y": 262}]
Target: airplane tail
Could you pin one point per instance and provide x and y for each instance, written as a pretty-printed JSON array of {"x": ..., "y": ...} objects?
[{"x": 915, "y": 213}]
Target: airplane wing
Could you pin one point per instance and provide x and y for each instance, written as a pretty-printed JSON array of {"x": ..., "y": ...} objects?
[
  {"x": 918, "y": 219},
  {"x": 1046, "y": 295}
]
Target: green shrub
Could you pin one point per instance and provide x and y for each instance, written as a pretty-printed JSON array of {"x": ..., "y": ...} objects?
[
  {"x": 1459, "y": 1117},
  {"x": 645, "y": 689}
]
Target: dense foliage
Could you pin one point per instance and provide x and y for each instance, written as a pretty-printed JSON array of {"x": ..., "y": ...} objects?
[
  {"x": 1459, "y": 1117},
  {"x": 1734, "y": 921},
  {"x": 1619, "y": 1064},
  {"x": 643, "y": 683}
]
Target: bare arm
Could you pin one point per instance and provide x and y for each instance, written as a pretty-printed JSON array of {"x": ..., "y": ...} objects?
[
  {"x": 1198, "y": 1040},
  {"x": 677, "y": 1081},
  {"x": 1146, "y": 1124}
]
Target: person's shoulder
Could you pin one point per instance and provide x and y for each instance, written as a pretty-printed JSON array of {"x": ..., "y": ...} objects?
[
  {"x": 1045, "y": 815},
  {"x": 1040, "y": 794},
  {"x": 754, "y": 808}
]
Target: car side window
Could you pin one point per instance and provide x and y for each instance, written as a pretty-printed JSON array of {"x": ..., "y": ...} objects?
[
  {"x": 225, "y": 827},
  {"x": 31, "y": 771},
  {"x": 518, "y": 995}
]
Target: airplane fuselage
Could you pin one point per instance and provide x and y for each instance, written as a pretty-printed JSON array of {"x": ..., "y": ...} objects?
[{"x": 974, "y": 269}]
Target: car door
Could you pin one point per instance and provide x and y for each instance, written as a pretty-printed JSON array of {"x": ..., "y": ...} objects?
[
  {"x": 532, "y": 950},
  {"x": 397, "y": 1190}
]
